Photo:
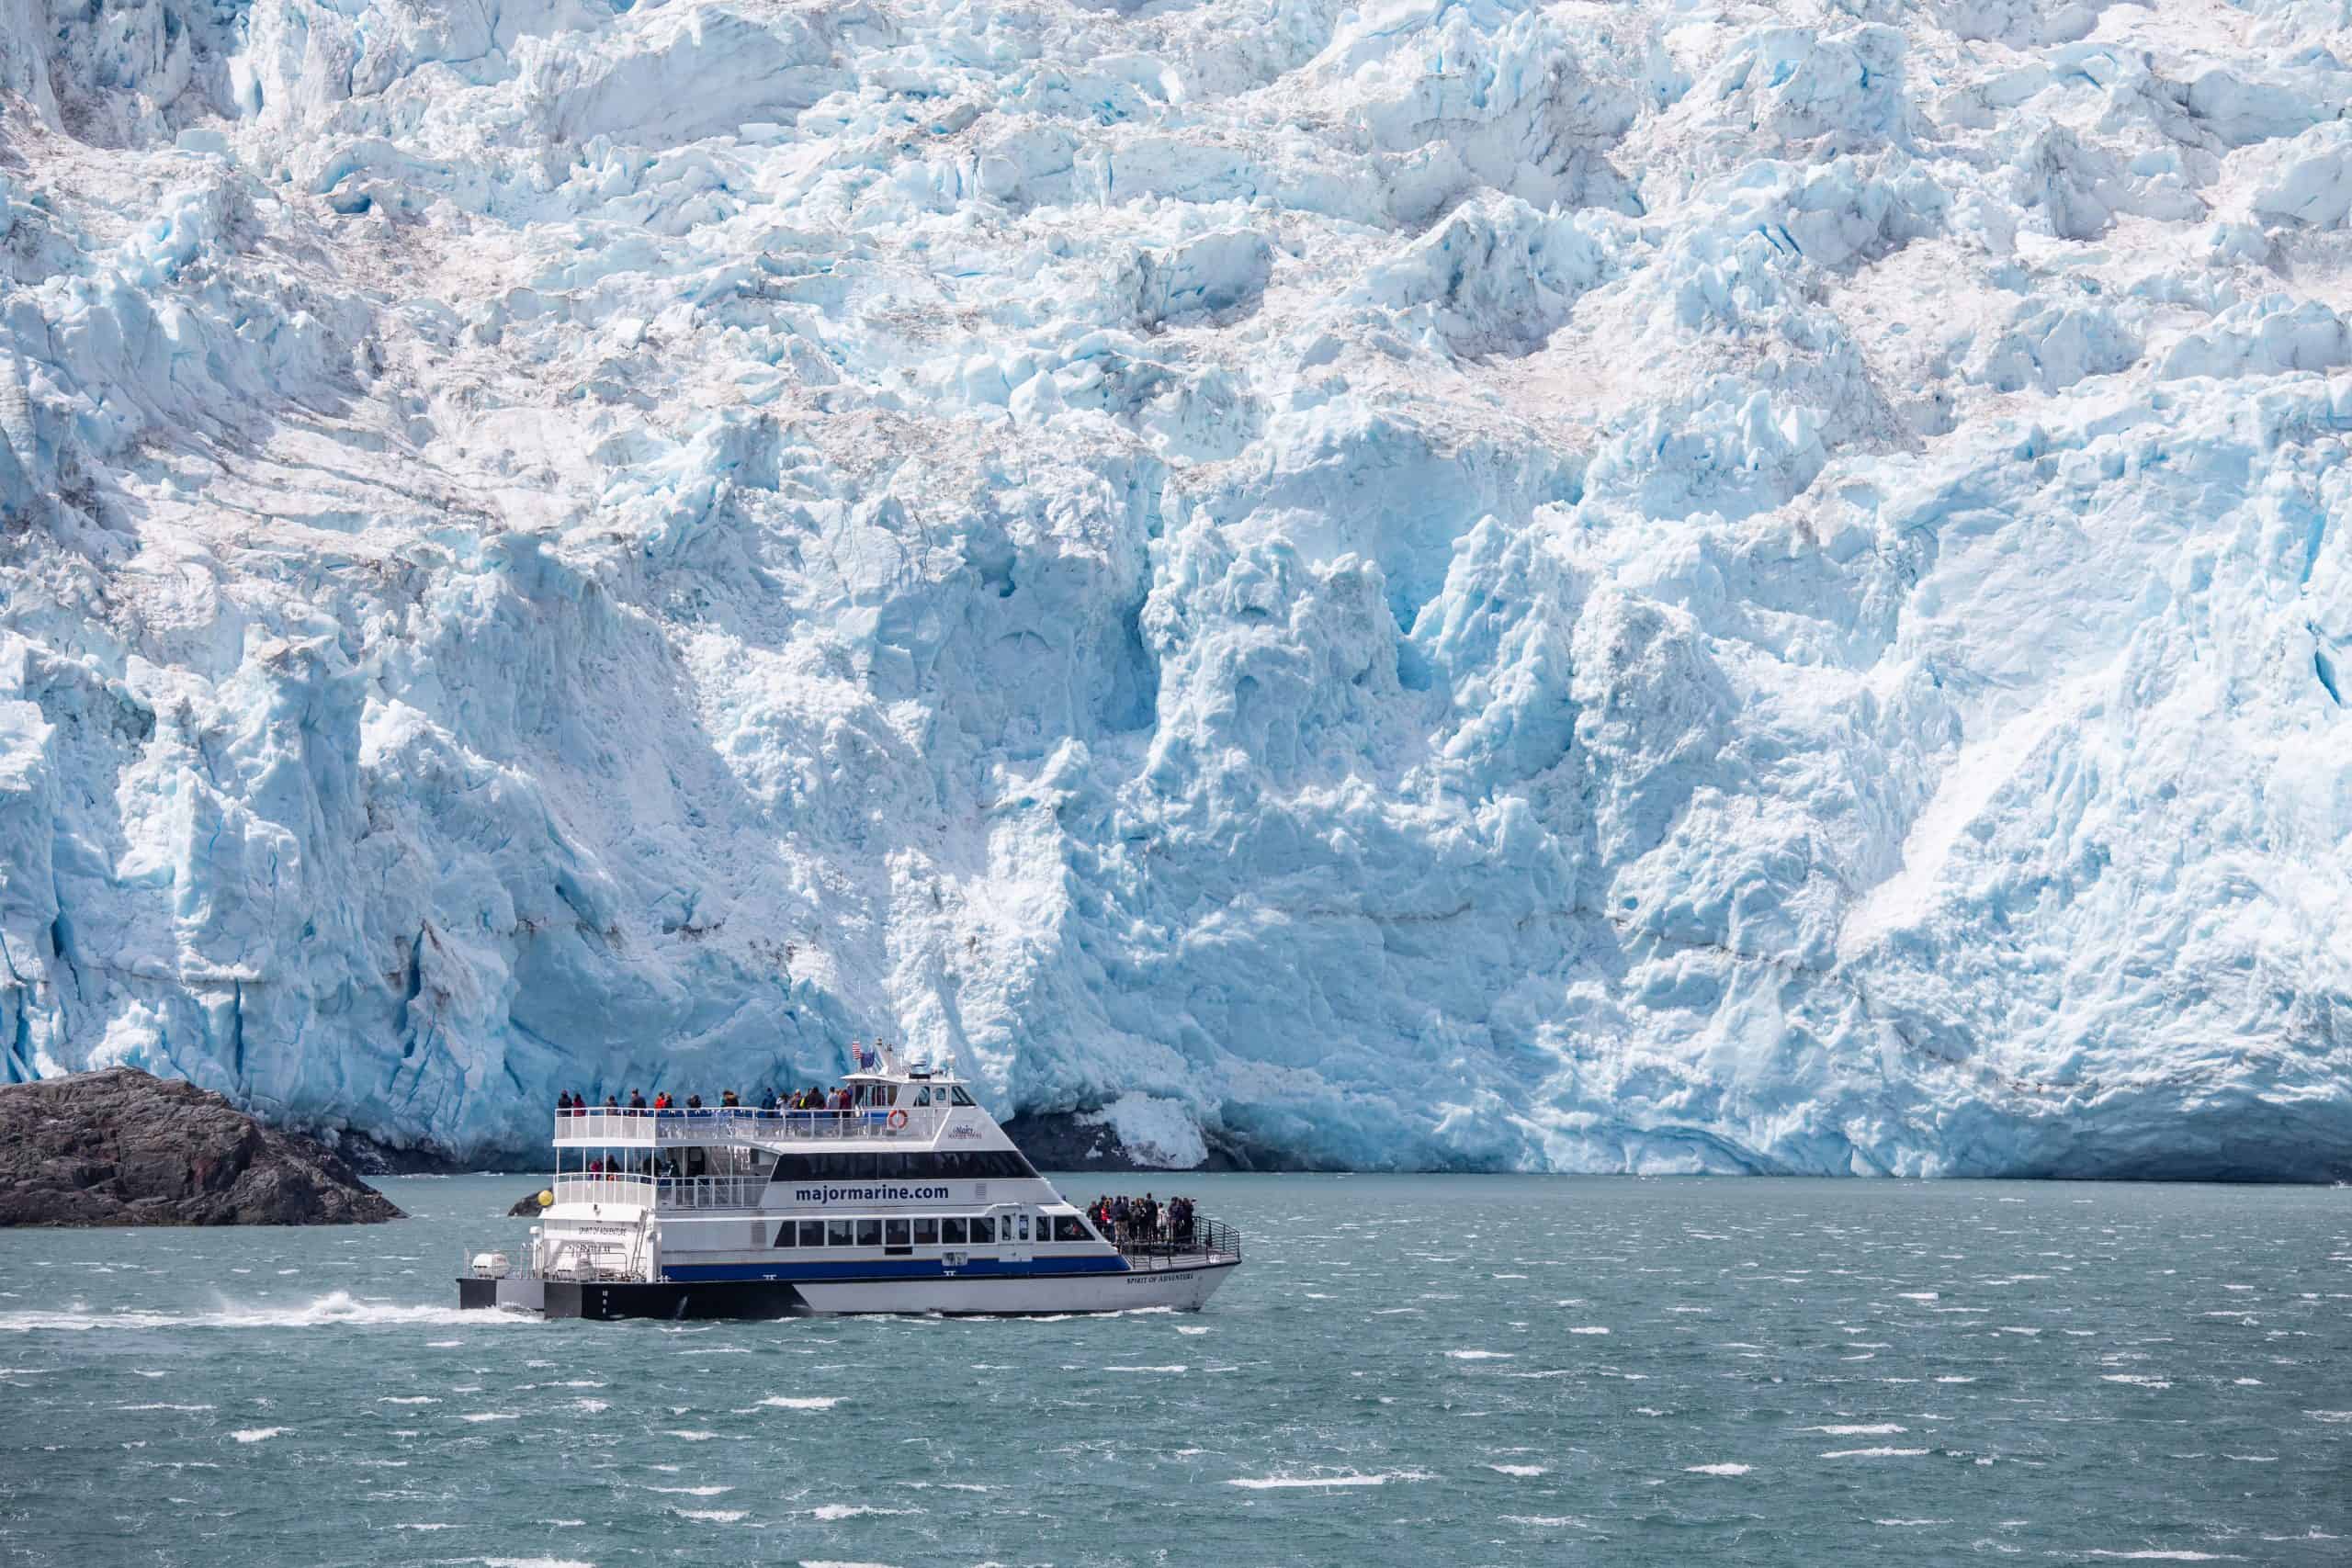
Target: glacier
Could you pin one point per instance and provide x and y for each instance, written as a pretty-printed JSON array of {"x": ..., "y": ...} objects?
[{"x": 1439, "y": 583}]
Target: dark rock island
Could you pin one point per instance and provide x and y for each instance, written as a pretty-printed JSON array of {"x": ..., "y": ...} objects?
[{"x": 120, "y": 1148}]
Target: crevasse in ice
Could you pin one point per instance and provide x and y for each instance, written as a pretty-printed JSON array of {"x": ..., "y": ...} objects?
[{"x": 1432, "y": 583}]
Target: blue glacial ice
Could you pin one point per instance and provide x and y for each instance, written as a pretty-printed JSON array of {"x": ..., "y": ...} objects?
[{"x": 1438, "y": 583}]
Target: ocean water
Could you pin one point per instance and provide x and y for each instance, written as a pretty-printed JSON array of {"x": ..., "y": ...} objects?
[{"x": 1406, "y": 1371}]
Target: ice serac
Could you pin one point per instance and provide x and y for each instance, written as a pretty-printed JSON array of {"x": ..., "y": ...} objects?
[{"x": 1762, "y": 588}]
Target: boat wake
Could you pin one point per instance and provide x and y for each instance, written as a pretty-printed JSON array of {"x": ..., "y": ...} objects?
[{"x": 336, "y": 1309}]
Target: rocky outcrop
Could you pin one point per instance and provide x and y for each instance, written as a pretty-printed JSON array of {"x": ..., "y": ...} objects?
[{"x": 120, "y": 1148}]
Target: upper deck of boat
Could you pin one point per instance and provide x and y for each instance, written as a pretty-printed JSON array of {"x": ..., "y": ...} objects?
[{"x": 767, "y": 1129}]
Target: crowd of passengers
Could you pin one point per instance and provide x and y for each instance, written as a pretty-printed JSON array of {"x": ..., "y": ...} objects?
[
  {"x": 1144, "y": 1220},
  {"x": 810, "y": 1099}
]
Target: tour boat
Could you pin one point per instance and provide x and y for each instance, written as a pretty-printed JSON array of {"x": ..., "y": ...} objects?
[{"x": 911, "y": 1200}]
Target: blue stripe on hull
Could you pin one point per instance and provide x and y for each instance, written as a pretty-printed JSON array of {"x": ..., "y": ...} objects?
[{"x": 896, "y": 1268}]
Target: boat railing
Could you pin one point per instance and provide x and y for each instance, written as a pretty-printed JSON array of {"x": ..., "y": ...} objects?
[
  {"x": 603, "y": 1189},
  {"x": 736, "y": 1191},
  {"x": 707, "y": 1124},
  {"x": 1205, "y": 1241},
  {"x": 709, "y": 1191}
]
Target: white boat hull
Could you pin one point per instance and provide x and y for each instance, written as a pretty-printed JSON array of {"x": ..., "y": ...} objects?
[
  {"x": 1184, "y": 1290},
  {"x": 1180, "y": 1288}
]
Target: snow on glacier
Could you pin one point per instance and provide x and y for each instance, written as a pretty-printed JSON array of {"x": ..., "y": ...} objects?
[{"x": 1442, "y": 583}]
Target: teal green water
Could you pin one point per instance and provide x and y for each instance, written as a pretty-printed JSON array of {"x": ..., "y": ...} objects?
[{"x": 1462, "y": 1370}]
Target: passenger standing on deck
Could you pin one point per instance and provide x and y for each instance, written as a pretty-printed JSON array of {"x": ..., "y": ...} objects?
[{"x": 636, "y": 1101}]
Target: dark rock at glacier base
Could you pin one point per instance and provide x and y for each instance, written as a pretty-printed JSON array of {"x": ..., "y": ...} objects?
[{"x": 121, "y": 1147}]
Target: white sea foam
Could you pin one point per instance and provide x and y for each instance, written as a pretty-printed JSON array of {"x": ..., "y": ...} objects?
[
  {"x": 1880, "y": 1429},
  {"x": 1717, "y": 1469},
  {"x": 258, "y": 1433},
  {"x": 1479, "y": 1355},
  {"x": 2135, "y": 1379},
  {"x": 480, "y": 1416},
  {"x": 407, "y": 1399},
  {"x": 799, "y": 1402},
  {"x": 1285, "y": 1483},
  {"x": 339, "y": 1309},
  {"x": 688, "y": 1434},
  {"x": 1521, "y": 1470},
  {"x": 1591, "y": 1331},
  {"x": 1177, "y": 1368},
  {"x": 178, "y": 1407},
  {"x": 712, "y": 1516},
  {"x": 1873, "y": 1453},
  {"x": 855, "y": 1510},
  {"x": 693, "y": 1491}
]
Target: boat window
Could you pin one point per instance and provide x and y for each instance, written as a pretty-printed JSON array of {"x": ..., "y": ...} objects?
[
  {"x": 1069, "y": 1227},
  {"x": 922, "y": 1096},
  {"x": 956, "y": 1165},
  {"x": 1024, "y": 1223},
  {"x": 894, "y": 1233},
  {"x": 788, "y": 1235},
  {"x": 812, "y": 1233},
  {"x": 984, "y": 1230},
  {"x": 869, "y": 1233},
  {"x": 962, "y": 1098},
  {"x": 953, "y": 1232},
  {"x": 927, "y": 1232},
  {"x": 836, "y": 1231}
]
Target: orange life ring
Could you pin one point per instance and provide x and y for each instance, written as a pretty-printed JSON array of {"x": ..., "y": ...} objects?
[{"x": 898, "y": 1120}]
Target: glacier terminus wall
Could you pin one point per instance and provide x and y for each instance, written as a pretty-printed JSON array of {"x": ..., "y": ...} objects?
[{"x": 1429, "y": 583}]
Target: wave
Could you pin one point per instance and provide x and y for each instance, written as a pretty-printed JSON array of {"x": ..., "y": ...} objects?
[
  {"x": 336, "y": 1309},
  {"x": 1282, "y": 1483}
]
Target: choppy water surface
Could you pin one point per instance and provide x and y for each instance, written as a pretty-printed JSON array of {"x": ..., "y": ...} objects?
[{"x": 1406, "y": 1370}]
